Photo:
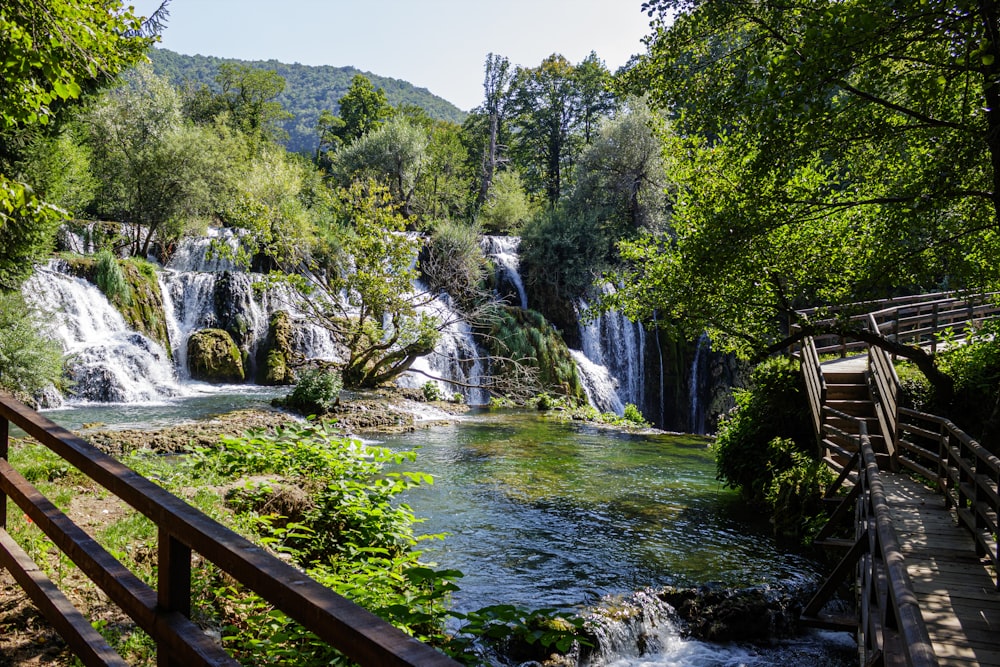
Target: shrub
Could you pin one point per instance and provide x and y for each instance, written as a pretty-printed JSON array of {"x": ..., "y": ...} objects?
[
  {"x": 453, "y": 262},
  {"x": 29, "y": 361},
  {"x": 507, "y": 207},
  {"x": 432, "y": 391},
  {"x": 316, "y": 392},
  {"x": 110, "y": 278},
  {"x": 774, "y": 406},
  {"x": 633, "y": 415}
]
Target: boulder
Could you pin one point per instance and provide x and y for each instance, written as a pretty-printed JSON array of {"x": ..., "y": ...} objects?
[
  {"x": 276, "y": 357},
  {"x": 214, "y": 357}
]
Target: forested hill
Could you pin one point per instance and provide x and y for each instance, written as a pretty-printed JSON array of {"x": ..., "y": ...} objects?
[{"x": 308, "y": 90}]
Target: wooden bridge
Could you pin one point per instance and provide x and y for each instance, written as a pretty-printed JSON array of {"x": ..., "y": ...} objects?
[{"x": 921, "y": 495}]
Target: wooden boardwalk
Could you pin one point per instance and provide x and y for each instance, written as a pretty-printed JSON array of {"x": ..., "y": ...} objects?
[{"x": 956, "y": 589}]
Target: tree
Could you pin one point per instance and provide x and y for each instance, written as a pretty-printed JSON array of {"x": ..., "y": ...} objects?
[
  {"x": 249, "y": 95},
  {"x": 593, "y": 80},
  {"x": 360, "y": 288},
  {"x": 827, "y": 152},
  {"x": 622, "y": 173},
  {"x": 157, "y": 171},
  {"x": 497, "y": 89},
  {"x": 392, "y": 154},
  {"x": 52, "y": 52},
  {"x": 362, "y": 108}
]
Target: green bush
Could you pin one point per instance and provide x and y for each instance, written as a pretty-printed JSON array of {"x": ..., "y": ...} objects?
[
  {"x": 633, "y": 415},
  {"x": 29, "y": 361},
  {"x": 453, "y": 261},
  {"x": 774, "y": 406},
  {"x": 316, "y": 392},
  {"x": 110, "y": 278},
  {"x": 432, "y": 391}
]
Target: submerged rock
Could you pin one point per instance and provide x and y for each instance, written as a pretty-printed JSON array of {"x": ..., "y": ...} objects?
[{"x": 746, "y": 614}]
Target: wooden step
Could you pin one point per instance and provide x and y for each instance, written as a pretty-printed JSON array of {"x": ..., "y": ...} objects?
[
  {"x": 855, "y": 408},
  {"x": 847, "y": 391},
  {"x": 843, "y": 377}
]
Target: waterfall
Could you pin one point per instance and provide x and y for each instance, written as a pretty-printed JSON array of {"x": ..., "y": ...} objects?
[
  {"x": 107, "y": 362},
  {"x": 502, "y": 251},
  {"x": 601, "y": 388},
  {"x": 698, "y": 372},
  {"x": 613, "y": 341},
  {"x": 456, "y": 357}
]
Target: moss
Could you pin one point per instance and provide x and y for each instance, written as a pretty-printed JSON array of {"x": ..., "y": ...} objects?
[
  {"x": 276, "y": 356},
  {"x": 526, "y": 336},
  {"x": 142, "y": 305},
  {"x": 214, "y": 357}
]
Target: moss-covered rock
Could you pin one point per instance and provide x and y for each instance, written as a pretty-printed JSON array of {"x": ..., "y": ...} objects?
[
  {"x": 214, "y": 357},
  {"x": 142, "y": 308},
  {"x": 276, "y": 357}
]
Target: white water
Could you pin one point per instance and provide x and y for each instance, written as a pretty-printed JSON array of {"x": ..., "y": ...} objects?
[
  {"x": 502, "y": 251},
  {"x": 600, "y": 386},
  {"x": 106, "y": 360},
  {"x": 613, "y": 341},
  {"x": 698, "y": 368}
]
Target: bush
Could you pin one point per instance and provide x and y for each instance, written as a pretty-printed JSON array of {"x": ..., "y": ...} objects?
[
  {"x": 453, "y": 262},
  {"x": 110, "y": 278},
  {"x": 507, "y": 207},
  {"x": 774, "y": 406},
  {"x": 316, "y": 392},
  {"x": 633, "y": 415},
  {"x": 432, "y": 391},
  {"x": 29, "y": 361}
]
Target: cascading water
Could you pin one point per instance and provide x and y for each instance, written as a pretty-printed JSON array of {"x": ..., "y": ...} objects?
[
  {"x": 699, "y": 368},
  {"x": 502, "y": 251},
  {"x": 613, "y": 341},
  {"x": 107, "y": 362}
]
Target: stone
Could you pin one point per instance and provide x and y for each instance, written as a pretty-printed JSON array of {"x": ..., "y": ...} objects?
[{"x": 214, "y": 357}]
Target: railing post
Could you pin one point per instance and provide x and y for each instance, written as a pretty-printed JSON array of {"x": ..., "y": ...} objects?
[
  {"x": 173, "y": 585},
  {"x": 934, "y": 328},
  {"x": 4, "y": 452}
]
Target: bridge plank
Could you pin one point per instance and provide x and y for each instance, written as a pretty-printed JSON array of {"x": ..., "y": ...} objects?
[{"x": 955, "y": 588}]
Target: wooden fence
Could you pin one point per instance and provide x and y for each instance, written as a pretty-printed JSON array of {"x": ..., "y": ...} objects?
[{"x": 163, "y": 613}]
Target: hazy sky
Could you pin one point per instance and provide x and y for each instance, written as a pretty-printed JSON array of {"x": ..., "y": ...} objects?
[{"x": 435, "y": 44}]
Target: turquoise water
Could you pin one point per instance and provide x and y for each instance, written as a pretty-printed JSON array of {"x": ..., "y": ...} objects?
[{"x": 546, "y": 513}]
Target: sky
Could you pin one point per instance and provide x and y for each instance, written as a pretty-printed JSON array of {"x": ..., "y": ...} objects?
[{"x": 440, "y": 45}]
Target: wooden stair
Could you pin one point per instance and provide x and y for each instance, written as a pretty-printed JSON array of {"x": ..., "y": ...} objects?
[{"x": 847, "y": 391}]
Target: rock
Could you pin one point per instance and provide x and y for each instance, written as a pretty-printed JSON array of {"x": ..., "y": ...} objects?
[
  {"x": 275, "y": 357},
  {"x": 214, "y": 357},
  {"x": 723, "y": 615}
]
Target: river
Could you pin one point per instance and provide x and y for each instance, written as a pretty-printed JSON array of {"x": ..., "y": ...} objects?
[{"x": 545, "y": 513}]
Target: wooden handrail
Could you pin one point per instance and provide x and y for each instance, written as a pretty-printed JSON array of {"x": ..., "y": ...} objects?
[
  {"x": 890, "y": 618},
  {"x": 162, "y": 613}
]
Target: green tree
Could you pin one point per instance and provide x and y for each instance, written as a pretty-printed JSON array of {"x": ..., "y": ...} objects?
[
  {"x": 830, "y": 152},
  {"x": 58, "y": 168},
  {"x": 593, "y": 81},
  {"x": 156, "y": 171},
  {"x": 52, "y": 52},
  {"x": 360, "y": 288},
  {"x": 497, "y": 85},
  {"x": 547, "y": 113},
  {"x": 393, "y": 154},
  {"x": 250, "y": 96},
  {"x": 362, "y": 108}
]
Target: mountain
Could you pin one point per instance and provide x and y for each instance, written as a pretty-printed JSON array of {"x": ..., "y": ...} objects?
[{"x": 308, "y": 90}]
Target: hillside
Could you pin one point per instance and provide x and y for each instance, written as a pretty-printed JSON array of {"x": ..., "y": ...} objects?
[{"x": 308, "y": 90}]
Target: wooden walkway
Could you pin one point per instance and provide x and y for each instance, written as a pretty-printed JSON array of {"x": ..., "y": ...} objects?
[{"x": 956, "y": 589}]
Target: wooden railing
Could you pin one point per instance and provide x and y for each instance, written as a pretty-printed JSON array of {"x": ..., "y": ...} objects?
[
  {"x": 163, "y": 613},
  {"x": 889, "y": 622}
]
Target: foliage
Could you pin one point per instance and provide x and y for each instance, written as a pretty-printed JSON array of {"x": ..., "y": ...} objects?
[
  {"x": 249, "y": 95},
  {"x": 30, "y": 361},
  {"x": 392, "y": 154},
  {"x": 774, "y": 406},
  {"x": 316, "y": 392},
  {"x": 518, "y": 339},
  {"x": 431, "y": 390},
  {"x": 632, "y": 414},
  {"x": 975, "y": 367},
  {"x": 452, "y": 262},
  {"x": 794, "y": 494},
  {"x": 825, "y": 153},
  {"x": 53, "y": 51},
  {"x": 308, "y": 91},
  {"x": 360, "y": 288},
  {"x": 564, "y": 251},
  {"x": 507, "y": 207},
  {"x": 58, "y": 168},
  {"x": 363, "y": 108},
  {"x": 110, "y": 278},
  {"x": 156, "y": 169}
]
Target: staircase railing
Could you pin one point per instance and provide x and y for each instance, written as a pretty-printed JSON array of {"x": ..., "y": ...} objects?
[
  {"x": 890, "y": 620},
  {"x": 163, "y": 612}
]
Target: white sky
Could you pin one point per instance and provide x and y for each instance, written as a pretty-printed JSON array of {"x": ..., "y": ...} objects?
[{"x": 440, "y": 45}]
